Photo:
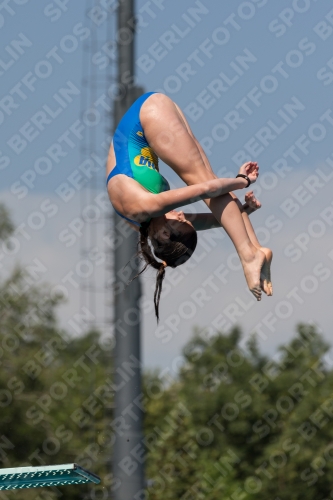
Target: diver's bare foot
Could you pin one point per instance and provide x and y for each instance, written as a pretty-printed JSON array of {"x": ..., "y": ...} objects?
[
  {"x": 252, "y": 269},
  {"x": 266, "y": 271}
]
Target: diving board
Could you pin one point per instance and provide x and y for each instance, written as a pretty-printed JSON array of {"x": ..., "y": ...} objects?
[{"x": 51, "y": 475}]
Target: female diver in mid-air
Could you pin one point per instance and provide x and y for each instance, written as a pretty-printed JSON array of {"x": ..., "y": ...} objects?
[{"x": 154, "y": 127}]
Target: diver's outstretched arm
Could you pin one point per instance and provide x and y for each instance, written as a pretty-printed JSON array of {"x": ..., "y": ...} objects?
[{"x": 206, "y": 220}]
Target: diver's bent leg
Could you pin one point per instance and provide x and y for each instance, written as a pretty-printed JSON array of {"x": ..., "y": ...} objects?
[
  {"x": 266, "y": 269},
  {"x": 228, "y": 214},
  {"x": 169, "y": 136}
]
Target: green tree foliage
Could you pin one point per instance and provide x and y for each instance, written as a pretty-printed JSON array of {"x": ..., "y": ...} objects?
[
  {"x": 6, "y": 225},
  {"x": 55, "y": 391},
  {"x": 243, "y": 426}
]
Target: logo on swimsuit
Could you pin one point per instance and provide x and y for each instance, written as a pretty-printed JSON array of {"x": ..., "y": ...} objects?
[
  {"x": 147, "y": 158},
  {"x": 139, "y": 133}
]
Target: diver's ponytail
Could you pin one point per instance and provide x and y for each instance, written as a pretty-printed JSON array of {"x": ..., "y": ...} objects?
[
  {"x": 159, "y": 281},
  {"x": 149, "y": 258}
]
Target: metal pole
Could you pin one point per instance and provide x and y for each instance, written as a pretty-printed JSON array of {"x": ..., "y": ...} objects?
[{"x": 128, "y": 471}]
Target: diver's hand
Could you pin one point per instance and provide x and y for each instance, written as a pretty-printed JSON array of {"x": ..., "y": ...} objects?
[{"x": 250, "y": 169}]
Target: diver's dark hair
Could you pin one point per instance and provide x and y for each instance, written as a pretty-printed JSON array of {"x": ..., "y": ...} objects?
[{"x": 173, "y": 253}]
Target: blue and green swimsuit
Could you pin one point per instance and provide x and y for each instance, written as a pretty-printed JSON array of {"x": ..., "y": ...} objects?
[{"x": 134, "y": 157}]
